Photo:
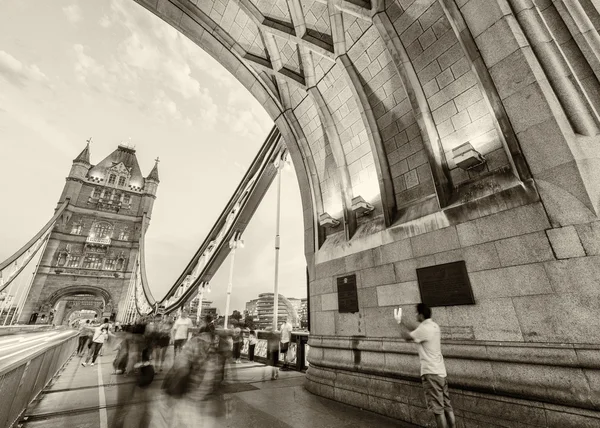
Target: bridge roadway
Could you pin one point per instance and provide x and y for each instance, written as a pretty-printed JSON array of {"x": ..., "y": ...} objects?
[
  {"x": 16, "y": 347},
  {"x": 86, "y": 397}
]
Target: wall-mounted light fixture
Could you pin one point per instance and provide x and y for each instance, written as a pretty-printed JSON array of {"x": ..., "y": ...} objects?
[
  {"x": 325, "y": 220},
  {"x": 466, "y": 157},
  {"x": 361, "y": 207}
]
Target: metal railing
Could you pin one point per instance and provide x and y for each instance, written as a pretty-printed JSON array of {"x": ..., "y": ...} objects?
[
  {"x": 297, "y": 352},
  {"x": 22, "y": 380}
]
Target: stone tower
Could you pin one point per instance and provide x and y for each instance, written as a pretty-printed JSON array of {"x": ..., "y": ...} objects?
[{"x": 91, "y": 252}]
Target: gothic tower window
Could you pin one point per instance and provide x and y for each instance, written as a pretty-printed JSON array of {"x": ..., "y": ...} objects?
[
  {"x": 110, "y": 264},
  {"x": 73, "y": 261},
  {"x": 111, "y": 179},
  {"x": 96, "y": 193},
  {"x": 121, "y": 181},
  {"x": 124, "y": 235},
  {"x": 76, "y": 228},
  {"x": 102, "y": 230},
  {"x": 92, "y": 261}
]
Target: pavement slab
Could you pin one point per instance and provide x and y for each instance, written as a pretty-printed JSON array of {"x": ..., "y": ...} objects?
[{"x": 86, "y": 397}]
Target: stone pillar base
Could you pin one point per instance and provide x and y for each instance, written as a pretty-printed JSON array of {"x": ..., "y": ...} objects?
[{"x": 403, "y": 399}]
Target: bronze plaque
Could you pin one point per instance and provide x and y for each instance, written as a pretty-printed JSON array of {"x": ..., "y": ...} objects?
[
  {"x": 347, "y": 295},
  {"x": 445, "y": 285}
]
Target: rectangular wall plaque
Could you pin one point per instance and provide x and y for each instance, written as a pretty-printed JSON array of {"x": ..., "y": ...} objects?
[
  {"x": 347, "y": 295},
  {"x": 445, "y": 285}
]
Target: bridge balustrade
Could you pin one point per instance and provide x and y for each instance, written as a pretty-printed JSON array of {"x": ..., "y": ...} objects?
[
  {"x": 23, "y": 380},
  {"x": 297, "y": 351}
]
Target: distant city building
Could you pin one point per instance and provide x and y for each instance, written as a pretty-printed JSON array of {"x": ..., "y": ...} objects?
[
  {"x": 264, "y": 307},
  {"x": 251, "y": 309},
  {"x": 303, "y": 313}
]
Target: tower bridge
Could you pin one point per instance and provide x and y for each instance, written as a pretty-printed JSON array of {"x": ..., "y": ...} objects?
[{"x": 447, "y": 152}]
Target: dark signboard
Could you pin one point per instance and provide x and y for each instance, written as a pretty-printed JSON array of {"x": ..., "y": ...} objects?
[
  {"x": 347, "y": 295},
  {"x": 445, "y": 285}
]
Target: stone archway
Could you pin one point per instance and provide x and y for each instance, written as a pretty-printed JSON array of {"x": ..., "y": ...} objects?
[
  {"x": 66, "y": 318},
  {"x": 439, "y": 120},
  {"x": 62, "y": 303},
  {"x": 78, "y": 289}
]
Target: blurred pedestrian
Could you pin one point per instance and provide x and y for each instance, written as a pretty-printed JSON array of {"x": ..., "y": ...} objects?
[
  {"x": 84, "y": 332},
  {"x": 162, "y": 343},
  {"x": 237, "y": 339},
  {"x": 100, "y": 336},
  {"x": 180, "y": 331},
  {"x": 273, "y": 353},
  {"x": 285, "y": 339},
  {"x": 252, "y": 341}
]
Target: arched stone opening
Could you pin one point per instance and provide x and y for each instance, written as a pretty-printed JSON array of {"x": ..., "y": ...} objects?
[{"x": 374, "y": 101}]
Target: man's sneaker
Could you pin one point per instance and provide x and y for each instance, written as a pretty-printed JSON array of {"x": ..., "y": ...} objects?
[
  {"x": 83, "y": 364},
  {"x": 92, "y": 364}
]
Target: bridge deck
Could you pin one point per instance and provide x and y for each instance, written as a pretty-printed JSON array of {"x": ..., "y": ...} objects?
[{"x": 87, "y": 396}]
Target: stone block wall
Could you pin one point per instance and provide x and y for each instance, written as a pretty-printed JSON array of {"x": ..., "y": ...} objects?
[{"x": 371, "y": 102}]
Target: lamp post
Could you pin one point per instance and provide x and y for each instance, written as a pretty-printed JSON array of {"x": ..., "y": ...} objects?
[
  {"x": 236, "y": 242},
  {"x": 280, "y": 163}
]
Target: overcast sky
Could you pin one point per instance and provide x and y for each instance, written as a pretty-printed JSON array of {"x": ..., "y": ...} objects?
[{"x": 109, "y": 69}]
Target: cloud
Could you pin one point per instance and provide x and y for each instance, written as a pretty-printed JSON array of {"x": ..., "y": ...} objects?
[
  {"x": 73, "y": 13},
  {"x": 87, "y": 67},
  {"x": 105, "y": 22},
  {"x": 14, "y": 71}
]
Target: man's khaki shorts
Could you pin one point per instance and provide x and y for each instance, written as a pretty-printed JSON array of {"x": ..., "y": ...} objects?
[{"x": 436, "y": 393}]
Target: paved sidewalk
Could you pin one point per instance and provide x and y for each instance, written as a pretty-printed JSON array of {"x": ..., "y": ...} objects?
[{"x": 86, "y": 397}]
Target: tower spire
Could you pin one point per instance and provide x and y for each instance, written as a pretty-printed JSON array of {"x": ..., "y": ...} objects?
[
  {"x": 154, "y": 173},
  {"x": 84, "y": 156}
]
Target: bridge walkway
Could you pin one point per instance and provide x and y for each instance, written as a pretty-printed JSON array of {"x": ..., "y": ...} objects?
[{"x": 86, "y": 397}]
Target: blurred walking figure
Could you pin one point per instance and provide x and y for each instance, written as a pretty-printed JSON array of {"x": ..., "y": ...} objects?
[
  {"x": 273, "y": 353},
  {"x": 84, "y": 332},
  {"x": 191, "y": 385},
  {"x": 100, "y": 336},
  {"x": 133, "y": 397},
  {"x": 180, "y": 331},
  {"x": 237, "y": 343},
  {"x": 286, "y": 336},
  {"x": 225, "y": 351},
  {"x": 252, "y": 341},
  {"x": 162, "y": 343}
]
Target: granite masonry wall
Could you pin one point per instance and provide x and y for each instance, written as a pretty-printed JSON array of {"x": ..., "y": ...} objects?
[{"x": 371, "y": 98}]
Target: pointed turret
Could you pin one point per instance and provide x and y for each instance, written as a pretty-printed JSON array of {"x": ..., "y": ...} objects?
[
  {"x": 84, "y": 156},
  {"x": 154, "y": 173}
]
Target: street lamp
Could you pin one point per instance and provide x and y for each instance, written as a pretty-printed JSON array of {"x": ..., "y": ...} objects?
[
  {"x": 280, "y": 163},
  {"x": 236, "y": 242}
]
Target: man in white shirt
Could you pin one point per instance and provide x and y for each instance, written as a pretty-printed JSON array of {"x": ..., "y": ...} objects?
[
  {"x": 427, "y": 336},
  {"x": 285, "y": 338},
  {"x": 180, "y": 331}
]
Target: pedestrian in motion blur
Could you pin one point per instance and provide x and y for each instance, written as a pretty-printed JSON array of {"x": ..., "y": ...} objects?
[
  {"x": 252, "y": 341},
  {"x": 286, "y": 336},
  {"x": 100, "y": 336},
  {"x": 84, "y": 331},
  {"x": 180, "y": 331},
  {"x": 426, "y": 334},
  {"x": 162, "y": 343}
]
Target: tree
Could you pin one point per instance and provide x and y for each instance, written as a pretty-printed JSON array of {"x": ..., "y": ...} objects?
[{"x": 249, "y": 321}]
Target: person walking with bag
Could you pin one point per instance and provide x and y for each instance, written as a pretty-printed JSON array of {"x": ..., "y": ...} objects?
[{"x": 427, "y": 336}]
